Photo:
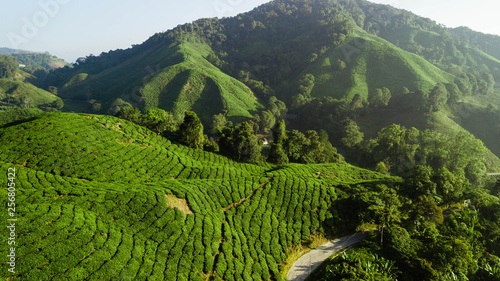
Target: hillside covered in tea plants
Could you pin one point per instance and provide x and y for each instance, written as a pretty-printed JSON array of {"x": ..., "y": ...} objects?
[{"x": 99, "y": 198}]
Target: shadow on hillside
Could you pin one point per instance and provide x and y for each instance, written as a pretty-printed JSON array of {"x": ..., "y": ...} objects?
[{"x": 18, "y": 122}]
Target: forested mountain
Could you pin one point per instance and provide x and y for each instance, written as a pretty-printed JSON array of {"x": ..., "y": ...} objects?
[
  {"x": 8, "y": 51},
  {"x": 373, "y": 59},
  {"x": 36, "y": 64}
]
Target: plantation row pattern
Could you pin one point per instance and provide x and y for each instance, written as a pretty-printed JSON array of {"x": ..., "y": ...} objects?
[
  {"x": 107, "y": 150},
  {"x": 238, "y": 223}
]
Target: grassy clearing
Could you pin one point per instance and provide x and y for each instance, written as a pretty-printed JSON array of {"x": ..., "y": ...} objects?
[{"x": 181, "y": 204}]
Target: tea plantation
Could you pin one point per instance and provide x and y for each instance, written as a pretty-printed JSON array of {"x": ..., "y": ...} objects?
[{"x": 99, "y": 198}]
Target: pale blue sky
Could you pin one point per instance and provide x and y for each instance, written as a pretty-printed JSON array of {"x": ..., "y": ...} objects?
[{"x": 76, "y": 28}]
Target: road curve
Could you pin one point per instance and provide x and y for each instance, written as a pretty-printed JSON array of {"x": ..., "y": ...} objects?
[{"x": 310, "y": 261}]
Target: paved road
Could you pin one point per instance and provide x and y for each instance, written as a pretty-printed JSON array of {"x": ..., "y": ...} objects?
[
  {"x": 494, "y": 174},
  {"x": 310, "y": 261}
]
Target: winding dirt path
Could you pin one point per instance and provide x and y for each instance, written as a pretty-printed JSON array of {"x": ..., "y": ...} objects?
[{"x": 310, "y": 261}]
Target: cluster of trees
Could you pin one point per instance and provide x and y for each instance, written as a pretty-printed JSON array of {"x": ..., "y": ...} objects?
[
  {"x": 8, "y": 66},
  {"x": 426, "y": 231},
  {"x": 157, "y": 120},
  {"x": 294, "y": 146},
  {"x": 403, "y": 149},
  {"x": 447, "y": 93},
  {"x": 267, "y": 119},
  {"x": 239, "y": 141}
]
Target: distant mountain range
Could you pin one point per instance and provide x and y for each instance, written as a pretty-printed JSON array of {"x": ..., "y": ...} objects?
[
  {"x": 35, "y": 59},
  {"x": 8, "y": 52}
]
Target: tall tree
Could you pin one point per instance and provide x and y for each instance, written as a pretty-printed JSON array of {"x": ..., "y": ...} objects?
[
  {"x": 219, "y": 121},
  {"x": 191, "y": 130},
  {"x": 277, "y": 154},
  {"x": 245, "y": 144},
  {"x": 352, "y": 135},
  {"x": 438, "y": 97}
]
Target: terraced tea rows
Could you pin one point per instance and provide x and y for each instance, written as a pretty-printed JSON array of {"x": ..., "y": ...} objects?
[
  {"x": 217, "y": 219},
  {"x": 107, "y": 149}
]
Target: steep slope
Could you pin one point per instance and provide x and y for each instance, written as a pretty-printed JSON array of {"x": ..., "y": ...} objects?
[
  {"x": 454, "y": 50},
  {"x": 487, "y": 43},
  {"x": 172, "y": 77},
  {"x": 15, "y": 93},
  {"x": 278, "y": 42},
  {"x": 270, "y": 49},
  {"x": 372, "y": 64},
  {"x": 174, "y": 212}
]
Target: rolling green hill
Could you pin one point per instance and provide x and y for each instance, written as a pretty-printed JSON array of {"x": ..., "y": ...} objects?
[
  {"x": 14, "y": 93},
  {"x": 276, "y": 44},
  {"x": 100, "y": 198},
  {"x": 377, "y": 64},
  {"x": 175, "y": 78}
]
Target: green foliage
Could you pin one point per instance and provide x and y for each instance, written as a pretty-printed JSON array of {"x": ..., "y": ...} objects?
[
  {"x": 438, "y": 98},
  {"x": 310, "y": 148},
  {"x": 405, "y": 149},
  {"x": 241, "y": 143},
  {"x": 11, "y": 115},
  {"x": 381, "y": 168},
  {"x": 119, "y": 105},
  {"x": 360, "y": 264},
  {"x": 110, "y": 199},
  {"x": 219, "y": 122},
  {"x": 157, "y": 120},
  {"x": 8, "y": 66},
  {"x": 191, "y": 130},
  {"x": 352, "y": 134},
  {"x": 381, "y": 98},
  {"x": 306, "y": 84},
  {"x": 278, "y": 155}
]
